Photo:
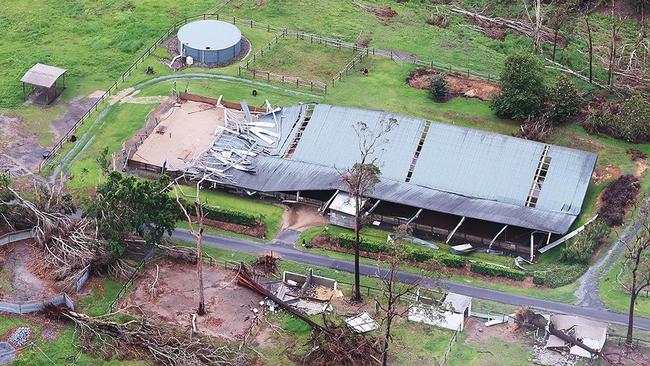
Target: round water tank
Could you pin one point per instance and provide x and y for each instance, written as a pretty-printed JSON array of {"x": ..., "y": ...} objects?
[{"x": 210, "y": 42}]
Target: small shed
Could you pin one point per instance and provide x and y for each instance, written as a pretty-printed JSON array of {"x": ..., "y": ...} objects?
[
  {"x": 343, "y": 210},
  {"x": 592, "y": 334},
  {"x": 450, "y": 315},
  {"x": 44, "y": 82}
]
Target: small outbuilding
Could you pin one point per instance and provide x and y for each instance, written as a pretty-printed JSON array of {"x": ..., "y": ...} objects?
[
  {"x": 44, "y": 82},
  {"x": 450, "y": 315},
  {"x": 591, "y": 333}
]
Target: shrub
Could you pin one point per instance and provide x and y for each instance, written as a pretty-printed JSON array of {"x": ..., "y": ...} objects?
[
  {"x": 564, "y": 101},
  {"x": 539, "y": 278},
  {"x": 438, "y": 89},
  {"x": 563, "y": 275},
  {"x": 627, "y": 121},
  {"x": 522, "y": 87},
  {"x": 497, "y": 271},
  {"x": 366, "y": 245},
  {"x": 453, "y": 261},
  {"x": 580, "y": 248},
  {"x": 225, "y": 215},
  {"x": 616, "y": 197}
]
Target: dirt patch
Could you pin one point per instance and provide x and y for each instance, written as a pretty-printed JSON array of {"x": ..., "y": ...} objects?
[
  {"x": 300, "y": 217},
  {"x": 229, "y": 306},
  {"x": 468, "y": 87},
  {"x": 21, "y": 281},
  {"x": 478, "y": 332},
  {"x": 640, "y": 166},
  {"x": 639, "y": 355},
  {"x": 606, "y": 173},
  {"x": 260, "y": 3}
]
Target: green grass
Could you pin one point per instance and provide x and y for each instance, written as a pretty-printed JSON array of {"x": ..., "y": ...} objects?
[
  {"x": 118, "y": 125},
  {"x": 616, "y": 299},
  {"x": 491, "y": 351},
  {"x": 271, "y": 213},
  {"x": 61, "y": 351},
  {"x": 315, "y": 62},
  {"x": 98, "y": 302}
]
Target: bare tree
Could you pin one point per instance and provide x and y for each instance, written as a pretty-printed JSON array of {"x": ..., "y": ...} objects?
[
  {"x": 612, "y": 49},
  {"x": 361, "y": 179},
  {"x": 591, "y": 50},
  {"x": 393, "y": 291},
  {"x": 635, "y": 272},
  {"x": 197, "y": 226}
]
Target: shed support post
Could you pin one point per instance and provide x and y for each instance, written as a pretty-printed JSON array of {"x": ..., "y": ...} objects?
[
  {"x": 297, "y": 196},
  {"x": 369, "y": 212},
  {"x": 497, "y": 235},
  {"x": 415, "y": 217},
  {"x": 329, "y": 202},
  {"x": 451, "y": 234},
  {"x": 548, "y": 239}
]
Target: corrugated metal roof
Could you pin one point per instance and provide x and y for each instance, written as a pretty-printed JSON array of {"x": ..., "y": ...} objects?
[
  {"x": 459, "y": 171},
  {"x": 42, "y": 75}
]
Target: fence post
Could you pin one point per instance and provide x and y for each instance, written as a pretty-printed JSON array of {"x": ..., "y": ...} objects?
[
  {"x": 311, "y": 85},
  {"x": 217, "y": 16},
  {"x": 253, "y": 73},
  {"x": 297, "y": 81},
  {"x": 467, "y": 73},
  {"x": 239, "y": 70},
  {"x": 391, "y": 54},
  {"x": 251, "y": 23},
  {"x": 268, "y": 76}
]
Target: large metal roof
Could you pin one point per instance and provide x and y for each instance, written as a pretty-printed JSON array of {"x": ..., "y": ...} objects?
[
  {"x": 42, "y": 75},
  {"x": 458, "y": 170}
]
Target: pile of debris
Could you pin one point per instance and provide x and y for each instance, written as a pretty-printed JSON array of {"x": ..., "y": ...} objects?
[
  {"x": 380, "y": 11},
  {"x": 309, "y": 294}
]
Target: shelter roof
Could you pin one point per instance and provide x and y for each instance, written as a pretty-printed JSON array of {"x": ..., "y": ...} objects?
[{"x": 42, "y": 75}]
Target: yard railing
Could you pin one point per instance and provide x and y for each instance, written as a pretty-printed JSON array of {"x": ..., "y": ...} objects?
[
  {"x": 15, "y": 236},
  {"x": 445, "y": 356},
  {"x": 347, "y": 69},
  {"x": 313, "y": 38},
  {"x": 36, "y": 306}
]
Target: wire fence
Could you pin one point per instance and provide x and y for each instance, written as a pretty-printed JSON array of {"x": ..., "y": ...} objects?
[
  {"x": 36, "y": 306},
  {"x": 313, "y": 38}
]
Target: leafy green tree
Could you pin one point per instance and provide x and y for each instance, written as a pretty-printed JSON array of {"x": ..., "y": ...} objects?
[
  {"x": 564, "y": 101},
  {"x": 522, "y": 87},
  {"x": 438, "y": 89},
  {"x": 633, "y": 120},
  {"x": 580, "y": 249},
  {"x": 125, "y": 205}
]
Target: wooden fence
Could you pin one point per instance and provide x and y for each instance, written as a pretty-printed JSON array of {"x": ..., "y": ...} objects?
[
  {"x": 347, "y": 69},
  {"x": 445, "y": 356}
]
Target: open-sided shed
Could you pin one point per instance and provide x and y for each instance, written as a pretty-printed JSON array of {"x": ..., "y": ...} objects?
[{"x": 44, "y": 82}]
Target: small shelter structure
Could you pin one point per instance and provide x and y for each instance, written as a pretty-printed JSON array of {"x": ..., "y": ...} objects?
[
  {"x": 591, "y": 333},
  {"x": 450, "y": 315},
  {"x": 44, "y": 82}
]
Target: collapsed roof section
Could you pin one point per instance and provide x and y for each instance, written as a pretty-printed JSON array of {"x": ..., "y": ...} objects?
[{"x": 424, "y": 164}]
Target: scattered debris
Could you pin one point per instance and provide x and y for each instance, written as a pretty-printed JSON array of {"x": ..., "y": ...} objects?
[
  {"x": 362, "y": 323},
  {"x": 20, "y": 336},
  {"x": 266, "y": 264},
  {"x": 379, "y": 11},
  {"x": 636, "y": 154},
  {"x": 591, "y": 333},
  {"x": 535, "y": 128},
  {"x": 439, "y": 19}
]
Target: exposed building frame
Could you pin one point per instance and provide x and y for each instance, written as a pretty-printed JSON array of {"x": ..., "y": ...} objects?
[
  {"x": 451, "y": 234},
  {"x": 497, "y": 235}
]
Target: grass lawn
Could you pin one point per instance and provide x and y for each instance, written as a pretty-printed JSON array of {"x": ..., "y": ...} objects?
[
  {"x": 291, "y": 57},
  {"x": 271, "y": 213},
  {"x": 491, "y": 351},
  {"x": 616, "y": 299}
]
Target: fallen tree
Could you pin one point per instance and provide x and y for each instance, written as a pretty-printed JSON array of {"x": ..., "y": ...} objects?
[
  {"x": 166, "y": 345},
  {"x": 531, "y": 30}
]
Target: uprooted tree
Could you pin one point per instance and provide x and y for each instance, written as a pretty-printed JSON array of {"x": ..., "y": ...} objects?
[{"x": 361, "y": 179}]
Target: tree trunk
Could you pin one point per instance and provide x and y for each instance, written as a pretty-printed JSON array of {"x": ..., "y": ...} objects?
[
  {"x": 555, "y": 43},
  {"x": 199, "y": 269},
  {"x": 384, "y": 359},
  {"x": 630, "y": 320},
  {"x": 591, "y": 51},
  {"x": 357, "y": 244}
]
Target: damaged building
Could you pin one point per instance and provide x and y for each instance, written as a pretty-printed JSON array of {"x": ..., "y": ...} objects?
[{"x": 450, "y": 183}]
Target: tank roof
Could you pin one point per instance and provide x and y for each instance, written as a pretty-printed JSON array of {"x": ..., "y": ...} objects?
[{"x": 209, "y": 35}]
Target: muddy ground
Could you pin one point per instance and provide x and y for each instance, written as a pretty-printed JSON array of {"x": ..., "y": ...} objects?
[
  {"x": 20, "y": 151},
  {"x": 468, "y": 87},
  {"x": 20, "y": 279},
  {"x": 300, "y": 217},
  {"x": 229, "y": 306}
]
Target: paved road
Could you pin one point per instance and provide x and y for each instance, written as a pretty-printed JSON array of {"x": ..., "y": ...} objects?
[{"x": 287, "y": 251}]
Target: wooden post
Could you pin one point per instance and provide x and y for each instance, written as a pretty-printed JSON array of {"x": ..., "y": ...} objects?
[
  {"x": 297, "y": 85},
  {"x": 234, "y": 20},
  {"x": 311, "y": 85},
  {"x": 268, "y": 76},
  {"x": 268, "y": 28},
  {"x": 251, "y": 23},
  {"x": 253, "y": 73},
  {"x": 239, "y": 70},
  {"x": 391, "y": 54}
]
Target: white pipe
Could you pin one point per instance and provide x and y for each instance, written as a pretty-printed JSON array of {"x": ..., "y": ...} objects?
[
  {"x": 496, "y": 236},
  {"x": 454, "y": 231}
]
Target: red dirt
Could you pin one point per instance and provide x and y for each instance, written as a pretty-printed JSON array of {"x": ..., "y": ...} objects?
[
  {"x": 608, "y": 172},
  {"x": 300, "y": 217},
  {"x": 229, "y": 307},
  {"x": 468, "y": 87}
]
